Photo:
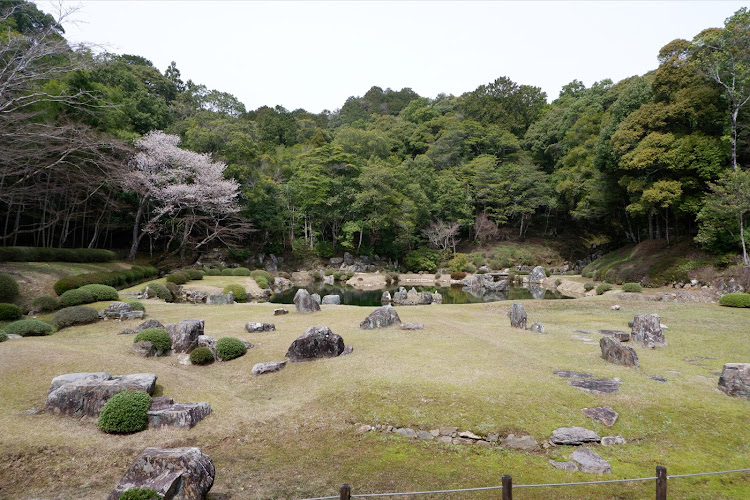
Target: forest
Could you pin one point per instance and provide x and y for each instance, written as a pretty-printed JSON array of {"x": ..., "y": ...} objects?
[{"x": 104, "y": 150}]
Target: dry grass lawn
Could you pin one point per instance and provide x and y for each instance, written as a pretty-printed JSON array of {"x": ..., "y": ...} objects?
[{"x": 294, "y": 434}]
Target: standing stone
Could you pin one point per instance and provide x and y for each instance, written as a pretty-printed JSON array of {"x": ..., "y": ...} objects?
[
  {"x": 253, "y": 326},
  {"x": 602, "y": 414},
  {"x": 334, "y": 300},
  {"x": 304, "y": 303},
  {"x": 386, "y": 298},
  {"x": 316, "y": 342},
  {"x": 84, "y": 394},
  {"x": 614, "y": 352},
  {"x": 735, "y": 379},
  {"x": 175, "y": 473},
  {"x": 647, "y": 330},
  {"x": 437, "y": 298},
  {"x": 316, "y": 298},
  {"x": 517, "y": 315},
  {"x": 537, "y": 275},
  {"x": 185, "y": 334},
  {"x": 573, "y": 436},
  {"x": 380, "y": 318}
]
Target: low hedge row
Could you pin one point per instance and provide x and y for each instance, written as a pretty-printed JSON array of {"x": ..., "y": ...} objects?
[
  {"x": 735, "y": 300},
  {"x": 135, "y": 274},
  {"x": 28, "y": 328},
  {"x": 36, "y": 254},
  {"x": 77, "y": 315}
]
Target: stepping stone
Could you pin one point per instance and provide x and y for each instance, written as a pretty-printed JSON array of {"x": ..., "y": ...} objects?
[
  {"x": 164, "y": 412},
  {"x": 527, "y": 443},
  {"x": 598, "y": 385},
  {"x": 573, "y": 436},
  {"x": 425, "y": 435},
  {"x": 582, "y": 332},
  {"x": 602, "y": 414},
  {"x": 412, "y": 326},
  {"x": 269, "y": 367},
  {"x": 590, "y": 462},
  {"x": 658, "y": 379},
  {"x": 253, "y": 326},
  {"x": 613, "y": 440},
  {"x": 570, "y": 374}
]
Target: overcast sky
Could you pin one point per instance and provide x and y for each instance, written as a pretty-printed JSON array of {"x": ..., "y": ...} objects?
[{"x": 314, "y": 54}]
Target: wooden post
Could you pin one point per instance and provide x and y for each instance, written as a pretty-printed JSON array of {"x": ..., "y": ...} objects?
[
  {"x": 507, "y": 488},
  {"x": 345, "y": 493},
  {"x": 661, "y": 483}
]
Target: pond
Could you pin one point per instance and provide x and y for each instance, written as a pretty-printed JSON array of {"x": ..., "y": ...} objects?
[{"x": 451, "y": 295}]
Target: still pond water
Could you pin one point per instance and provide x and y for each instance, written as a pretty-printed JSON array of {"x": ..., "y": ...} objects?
[{"x": 451, "y": 295}]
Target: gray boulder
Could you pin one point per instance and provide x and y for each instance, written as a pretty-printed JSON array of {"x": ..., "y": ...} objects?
[
  {"x": 84, "y": 394},
  {"x": 316, "y": 298},
  {"x": 523, "y": 442},
  {"x": 597, "y": 385},
  {"x": 164, "y": 412},
  {"x": 185, "y": 334},
  {"x": 647, "y": 330},
  {"x": 316, "y": 342},
  {"x": 253, "y": 326},
  {"x": 380, "y": 318},
  {"x": 280, "y": 312},
  {"x": 735, "y": 379},
  {"x": 331, "y": 300},
  {"x": 268, "y": 367},
  {"x": 537, "y": 327},
  {"x": 304, "y": 303},
  {"x": 220, "y": 299},
  {"x": 175, "y": 473},
  {"x": 437, "y": 298},
  {"x": 584, "y": 460},
  {"x": 328, "y": 280},
  {"x": 121, "y": 311},
  {"x": 412, "y": 326},
  {"x": 614, "y": 352},
  {"x": 149, "y": 323},
  {"x": 517, "y": 315},
  {"x": 537, "y": 275},
  {"x": 399, "y": 297},
  {"x": 146, "y": 349},
  {"x": 602, "y": 414},
  {"x": 573, "y": 436},
  {"x": 386, "y": 298}
]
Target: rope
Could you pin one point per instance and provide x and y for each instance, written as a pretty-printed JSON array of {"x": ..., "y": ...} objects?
[
  {"x": 426, "y": 492},
  {"x": 586, "y": 482},
  {"x": 708, "y": 473}
]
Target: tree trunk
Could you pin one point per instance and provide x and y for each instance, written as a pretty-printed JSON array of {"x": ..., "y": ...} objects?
[
  {"x": 742, "y": 238},
  {"x": 136, "y": 231}
]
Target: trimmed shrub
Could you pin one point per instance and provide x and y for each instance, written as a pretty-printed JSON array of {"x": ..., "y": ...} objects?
[
  {"x": 212, "y": 271},
  {"x": 261, "y": 281},
  {"x": 10, "y": 312},
  {"x": 470, "y": 268},
  {"x": 227, "y": 271},
  {"x": 3, "y": 336},
  {"x": 173, "y": 289},
  {"x": 8, "y": 288},
  {"x": 263, "y": 274},
  {"x": 604, "y": 287},
  {"x": 157, "y": 336},
  {"x": 160, "y": 291},
  {"x": 178, "y": 278},
  {"x": 241, "y": 271},
  {"x": 632, "y": 288},
  {"x": 37, "y": 254},
  {"x": 76, "y": 315},
  {"x": 229, "y": 348},
  {"x": 125, "y": 412},
  {"x": 136, "y": 305},
  {"x": 101, "y": 292},
  {"x": 316, "y": 275},
  {"x": 195, "y": 274},
  {"x": 239, "y": 292},
  {"x": 141, "y": 494},
  {"x": 113, "y": 278},
  {"x": 458, "y": 275},
  {"x": 29, "y": 328},
  {"x": 589, "y": 286},
  {"x": 202, "y": 356},
  {"x": 76, "y": 297},
  {"x": 328, "y": 272},
  {"x": 735, "y": 300},
  {"x": 45, "y": 303}
]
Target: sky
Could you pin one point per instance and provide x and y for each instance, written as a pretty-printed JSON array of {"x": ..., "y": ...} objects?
[{"x": 315, "y": 54}]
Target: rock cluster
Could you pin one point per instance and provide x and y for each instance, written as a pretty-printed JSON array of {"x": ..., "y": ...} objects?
[
  {"x": 484, "y": 283},
  {"x": 84, "y": 394},
  {"x": 411, "y": 298},
  {"x": 451, "y": 435},
  {"x": 121, "y": 311},
  {"x": 221, "y": 299}
]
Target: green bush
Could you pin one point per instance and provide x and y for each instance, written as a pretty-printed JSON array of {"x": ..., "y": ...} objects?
[
  {"x": 422, "y": 259},
  {"x": 202, "y": 356},
  {"x": 632, "y": 288},
  {"x": 141, "y": 494},
  {"x": 10, "y": 312},
  {"x": 458, "y": 275},
  {"x": 45, "y": 303},
  {"x": 76, "y": 297},
  {"x": 328, "y": 272},
  {"x": 3, "y": 336},
  {"x": 28, "y": 328},
  {"x": 125, "y": 412},
  {"x": 195, "y": 274},
  {"x": 589, "y": 275},
  {"x": 137, "y": 305},
  {"x": 263, "y": 274},
  {"x": 37, "y": 254},
  {"x": 229, "y": 348},
  {"x": 735, "y": 300},
  {"x": 227, "y": 271},
  {"x": 239, "y": 292},
  {"x": 8, "y": 288},
  {"x": 173, "y": 289},
  {"x": 470, "y": 268},
  {"x": 323, "y": 249},
  {"x": 178, "y": 278},
  {"x": 241, "y": 271},
  {"x": 547, "y": 272},
  {"x": 157, "y": 336},
  {"x": 160, "y": 291},
  {"x": 113, "y": 278},
  {"x": 589, "y": 286},
  {"x": 212, "y": 271},
  {"x": 477, "y": 259},
  {"x": 604, "y": 287},
  {"x": 316, "y": 275},
  {"x": 261, "y": 282},
  {"x": 459, "y": 262},
  {"x": 101, "y": 292},
  {"x": 76, "y": 315}
]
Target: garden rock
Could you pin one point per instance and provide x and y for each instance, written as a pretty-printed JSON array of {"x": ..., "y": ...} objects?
[
  {"x": 597, "y": 385},
  {"x": 412, "y": 326},
  {"x": 380, "y": 318},
  {"x": 127, "y": 331},
  {"x": 146, "y": 349},
  {"x": 268, "y": 367},
  {"x": 185, "y": 334},
  {"x": 526, "y": 443},
  {"x": 386, "y": 298},
  {"x": 613, "y": 440},
  {"x": 517, "y": 315},
  {"x": 304, "y": 303},
  {"x": 334, "y": 300},
  {"x": 175, "y": 473},
  {"x": 253, "y": 326},
  {"x": 328, "y": 280},
  {"x": 149, "y": 323},
  {"x": 590, "y": 462},
  {"x": 537, "y": 327},
  {"x": 210, "y": 342},
  {"x": 647, "y": 330},
  {"x": 316, "y": 298},
  {"x": 164, "y": 412},
  {"x": 121, "y": 311},
  {"x": 406, "y": 432},
  {"x": 602, "y": 414},
  {"x": 614, "y": 352},
  {"x": 316, "y": 342},
  {"x": 571, "y": 374},
  {"x": 280, "y": 312},
  {"x": 220, "y": 299},
  {"x": 437, "y": 298},
  {"x": 84, "y": 394},
  {"x": 735, "y": 379},
  {"x": 537, "y": 275},
  {"x": 573, "y": 436}
]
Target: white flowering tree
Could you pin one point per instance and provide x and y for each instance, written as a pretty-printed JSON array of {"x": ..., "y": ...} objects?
[{"x": 183, "y": 197}]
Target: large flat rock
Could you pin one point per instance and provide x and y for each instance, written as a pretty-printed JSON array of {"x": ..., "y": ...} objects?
[
  {"x": 602, "y": 414},
  {"x": 574, "y": 436},
  {"x": 597, "y": 385},
  {"x": 84, "y": 394},
  {"x": 164, "y": 412}
]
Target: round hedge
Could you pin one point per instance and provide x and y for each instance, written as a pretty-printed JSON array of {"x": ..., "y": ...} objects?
[
  {"x": 202, "y": 356},
  {"x": 125, "y": 412},
  {"x": 76, "y": 315},
  {"x": 45, "y": 303},
  {"x": 101, "y": 292},
  {"x": 589, "y": 286},
  {"x": 76, "y": 297},
  {"x": 212, "y": 271},
  {"x": 632, "y": 288},
  {"x": 141, "y": 494},
  {"x": 10, "y": 312},
  {"x": 8, "y": 288},
  {"x": 260, "y": 273},
  {"x": 160, "y": 291},
  {"x": 136, "y": 305},
  {"x": 29, "y": 328},
  {"x": 178, "y": 278},
  {"x": 262, "y": 283},
  {"x": 227, "y": 271},
  {"x": 735, "y": 300},
  {"x": 240, "y": 271},
  {"x": 229, "y": 348},
  {"x": 239, "y": 292},
  {"x": 3, "y": 336},
  {"x": 157, "y": 336},
  {"x": 604, "y": 287},
  {"x": 195, "y": 274}
]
